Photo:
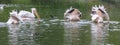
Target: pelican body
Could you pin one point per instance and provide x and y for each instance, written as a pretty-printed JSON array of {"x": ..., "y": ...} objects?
[
  {"x": 72, "y": 14},
  {"x": 99, "y": 13},
  {"x": 22, "y": 16}
]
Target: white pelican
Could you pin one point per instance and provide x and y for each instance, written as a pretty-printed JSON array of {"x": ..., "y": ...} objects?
[
  {"x": 99, "y": 13},
  {"x": 22, "y": 16},
  {"x": 72, "y": 14},
  {"x": 13, "y": 17}
]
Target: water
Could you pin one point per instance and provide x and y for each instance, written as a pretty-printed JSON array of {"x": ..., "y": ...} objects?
[{"x": 54, "y": 30}]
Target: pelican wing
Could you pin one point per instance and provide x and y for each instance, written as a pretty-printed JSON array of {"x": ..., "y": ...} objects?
[{"x": 26, "y": 14}]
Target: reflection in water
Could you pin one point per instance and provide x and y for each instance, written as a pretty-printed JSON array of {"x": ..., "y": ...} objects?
[
  {"x": 2, "y": 7},
  {"x": 71, "y": 35},
  {"x": 99, "y": 32},
  {"x": 21, "y": 34}
]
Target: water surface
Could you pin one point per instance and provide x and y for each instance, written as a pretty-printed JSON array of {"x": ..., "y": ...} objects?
[{"x": 54, "y": 30}]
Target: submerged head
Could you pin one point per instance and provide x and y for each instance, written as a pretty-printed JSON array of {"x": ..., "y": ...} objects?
[
  {"x": 98, "y": 13},
  {"x": 72, "y": 14}
]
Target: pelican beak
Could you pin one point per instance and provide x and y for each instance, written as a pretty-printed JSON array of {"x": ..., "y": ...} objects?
[{"x": 36, "y": 13}]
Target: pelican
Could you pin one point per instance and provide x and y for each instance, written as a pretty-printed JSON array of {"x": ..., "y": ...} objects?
[
  {"x": 22, "y": 16},
  {"x": 13, "y": 17},
  {"x": 99, "y": 13},
  {"x": 26, "y": 15},
  {"x": 72, "y": 14}
]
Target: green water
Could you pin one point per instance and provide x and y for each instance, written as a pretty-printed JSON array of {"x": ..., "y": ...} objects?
[{"x": 53, "y": 30}]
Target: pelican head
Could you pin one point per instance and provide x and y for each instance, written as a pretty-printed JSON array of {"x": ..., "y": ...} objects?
[
  {"x": 72, "y": 14},
  {"x": 34, "y": 11}
]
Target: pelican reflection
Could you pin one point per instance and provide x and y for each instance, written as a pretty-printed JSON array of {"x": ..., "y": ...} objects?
[
  {"x": 99, "y": 33},
  {"x": 21, "y": 34},
  {"x": 71, "y": 33}
]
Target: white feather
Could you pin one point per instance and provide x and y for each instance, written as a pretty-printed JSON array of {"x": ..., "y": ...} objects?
[{"x": 26, "y": 13}]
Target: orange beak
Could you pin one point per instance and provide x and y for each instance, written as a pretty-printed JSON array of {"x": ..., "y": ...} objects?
[{"x": 36, "y": 13}]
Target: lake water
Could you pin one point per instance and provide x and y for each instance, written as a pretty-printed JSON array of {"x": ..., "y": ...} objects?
[{"x": 54, "y": 30}]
